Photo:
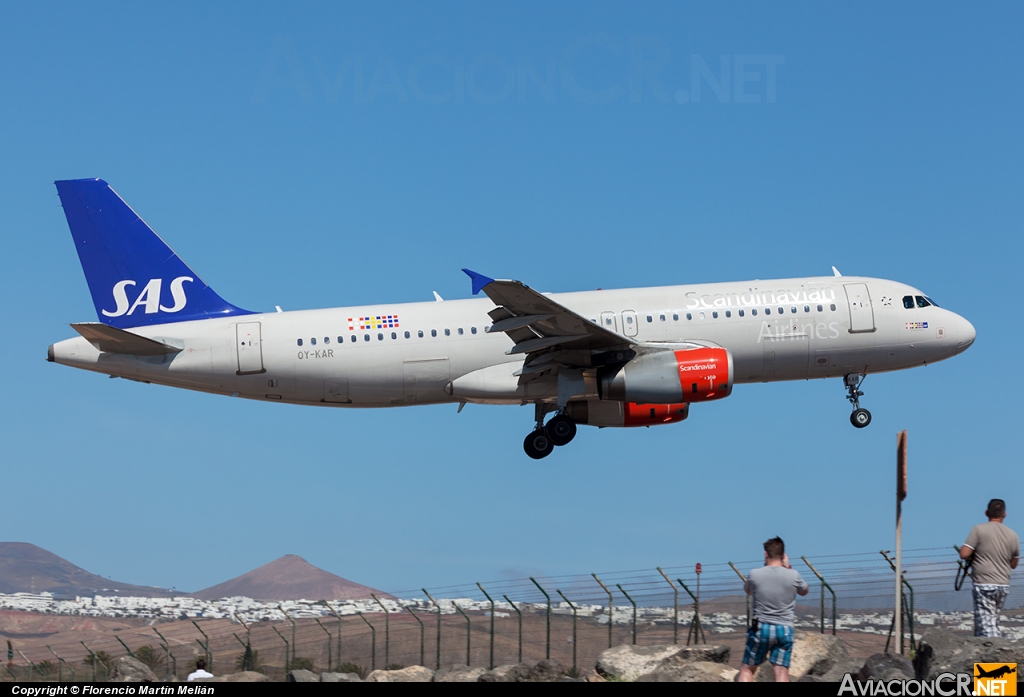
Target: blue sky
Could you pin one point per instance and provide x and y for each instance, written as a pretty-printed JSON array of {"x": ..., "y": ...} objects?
[{"x": 314, "y": 155}]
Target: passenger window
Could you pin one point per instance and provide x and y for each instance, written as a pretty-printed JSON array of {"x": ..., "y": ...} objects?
[
  {"x": 767, "y": 310},
  {"x": 327, "y": 339},
  {"x": 921, "y": 302},
  {"x": 793, "y": 310},
  {"x": 341, "y": 340},
  {"x": 312, "y": 342},
  {"x": 753, "y": 312},
  {"x": 353, "y": 338},
  {"x": 447, "y": 332},
  {"x": 433, "y": 332},
  {"x": 675, "y": 316},
  {"x": 782, "y": 310},
  {"x": 728, "y": 313},
  {"x": 419, "y": 334},
  {"x": 460, "y": 331},
  {"x": 741, "y": 313},
  {"x": 380, "y": 337},
  {"x": 715, "y": 314},
  {"x": 819, "y": 308},
  {"x": 394, "y": 335},
  {"x": 832, "y": 307},
  {"x": 407, "y": 335},
  {"x": 689, "y": 316},
  {"x": 472, "y": 330},
  {"x": 908, "y": 302},
  {"x": 662, "y": 317},
  {"x": 649, "y": 319},
  {"x": 366, "y": 337},
  {"x": 299, "y": 342},
  {"x": 807, "y": 308}
]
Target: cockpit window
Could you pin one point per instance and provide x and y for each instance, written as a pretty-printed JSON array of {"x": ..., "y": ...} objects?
[
  {"x": 908, "y": 302},
  {"x": 931, "y": 301},
  {"x": 921, "y": 301}
]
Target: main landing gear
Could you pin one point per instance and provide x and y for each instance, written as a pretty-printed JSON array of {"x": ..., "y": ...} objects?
[
  {"x": 860, "y": 417},
  {"x": 560, "y": 430}
]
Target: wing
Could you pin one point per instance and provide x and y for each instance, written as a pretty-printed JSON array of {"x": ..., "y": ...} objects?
[{"x": 549, "y": 333}]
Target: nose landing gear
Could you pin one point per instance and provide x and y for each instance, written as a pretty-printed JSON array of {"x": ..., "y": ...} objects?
[
  {"x": 560, "y": 430},
  {"x": 860, "y": 417}
]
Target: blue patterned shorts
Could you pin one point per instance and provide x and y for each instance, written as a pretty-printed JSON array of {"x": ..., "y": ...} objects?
[{"x": 774, "y": 638}]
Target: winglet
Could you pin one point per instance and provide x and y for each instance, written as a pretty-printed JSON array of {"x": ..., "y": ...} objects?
[{"x": 479, "y": 280}]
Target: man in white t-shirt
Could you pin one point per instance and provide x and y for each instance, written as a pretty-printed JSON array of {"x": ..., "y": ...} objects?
[
  {"x": 200, "y": 671},
  {"x": 994, "y": 550}
]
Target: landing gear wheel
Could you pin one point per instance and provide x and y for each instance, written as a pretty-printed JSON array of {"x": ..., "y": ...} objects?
[
  {"x": 537, "y": 445},
  {"x": 860, "y": 418},
  {"x": 561, "y": 429}
]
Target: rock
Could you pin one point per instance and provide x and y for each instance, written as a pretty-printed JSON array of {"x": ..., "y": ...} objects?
[
  {"x": 301, "y": 676},
  {"x": 128, "y": 669},
  {"x": 340, "y": 677},
  {"x": 410, "y": 674},
  {"x": 459, "y": 674},
  {"x": 881, "y": 665},
  {"x": 694, "y": 671},
  {"x": 627, "y": 662},
  {"x": 548, "y": 670},
  {"x": 813, "y": 654},
  {"x": 836, "y": 673},
  {"x": 507, "y": 673},
  {"x": 941, "y": 651},
  {"x": 244, "y": 676}
]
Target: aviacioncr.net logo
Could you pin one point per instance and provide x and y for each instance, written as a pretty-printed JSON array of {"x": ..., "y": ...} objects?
[
  {"x": 995, "y": 679},
  {"x": 149, "y": 298},
  {"x": 945, "y": 685}
]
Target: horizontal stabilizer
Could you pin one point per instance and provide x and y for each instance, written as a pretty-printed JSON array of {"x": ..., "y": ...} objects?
[{"x": 113, "y": 340}]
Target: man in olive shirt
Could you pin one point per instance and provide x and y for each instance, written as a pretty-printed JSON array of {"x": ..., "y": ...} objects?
[{"x": 994, "y": 550}]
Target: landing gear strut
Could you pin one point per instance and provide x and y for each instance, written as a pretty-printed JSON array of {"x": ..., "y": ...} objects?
[
  {"x": 560, "y": 430},
  {"x": 860, "y": 417}
]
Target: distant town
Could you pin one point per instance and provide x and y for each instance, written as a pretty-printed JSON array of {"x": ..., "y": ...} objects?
[{"x": 249, "y": 610}]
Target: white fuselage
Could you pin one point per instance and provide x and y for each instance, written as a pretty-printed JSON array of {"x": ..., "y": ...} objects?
[{"x": 421, "y": 353}]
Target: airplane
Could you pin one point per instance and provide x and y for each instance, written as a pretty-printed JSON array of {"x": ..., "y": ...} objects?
[
  {"x": 605, "y": 358},
  {"x": 995, "y": 672}
]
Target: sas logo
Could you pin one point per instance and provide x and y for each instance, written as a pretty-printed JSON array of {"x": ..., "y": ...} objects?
[
  {"x": 149, "y": 298},
  {"x": 917, "y": 325},
  {"x": 995, "y": 678}
]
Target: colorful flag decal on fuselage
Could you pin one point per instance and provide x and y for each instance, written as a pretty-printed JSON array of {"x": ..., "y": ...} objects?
[{"x": 378, "y": 322}]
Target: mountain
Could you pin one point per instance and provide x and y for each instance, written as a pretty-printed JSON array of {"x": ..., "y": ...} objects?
[
  {"x": 30, "y": 569},
  {"x": 289, "y": 578}
]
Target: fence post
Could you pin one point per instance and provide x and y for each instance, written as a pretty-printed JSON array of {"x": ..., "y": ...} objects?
[
  {"x": 520, "y": 626},
  {"x": 573, "y": 607},
  {"x": 373, "y": 639},
  {"x": 289, "y": 618},
  {"x": 611, "y": 607},
  {"x": 125, "y": 646},
  {"x": 422, "y": 633},
  {"x": 206, "y": 647},
  {"x": 338, "y": 615},
  {"x": 330, "y": 643},
  {"x": 469, "y": 629},
  {"x": 387, "y": 632},
  {"x": 489, "y": 598},
  {"x": 547, "y": 651},
  {"x": 675, "y": 604},
  {"x": 824, "y": 585},
  {"x": 908, "y": 609},
  {"x": 33, "y": 667},
  {"x": 286, "y": 653},
  {"x": 696, "y": 628},
  {"x": 619, "y": 586},
  {"x": 438, "y": 627},
  {"x": 93, "y": 661},
  {"x": 744, "y": 579},
  {"x": 60, "y": 666},
  {"x": 167, "y": 650}
]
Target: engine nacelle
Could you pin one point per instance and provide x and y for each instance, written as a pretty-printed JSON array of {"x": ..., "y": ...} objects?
[
  {"x": 670, "y": 377},
  {"x": 604, "y": 414}
]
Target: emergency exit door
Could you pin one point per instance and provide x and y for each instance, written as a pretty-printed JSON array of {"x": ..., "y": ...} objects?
[
  {"x": 862, "y": 317},
  {"x": 250, "y": 350}
]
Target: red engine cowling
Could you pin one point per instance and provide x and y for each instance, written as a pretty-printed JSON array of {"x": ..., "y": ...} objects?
[
  {"x": 670, "y": 377},
  {"x": 625, "y": 414}
]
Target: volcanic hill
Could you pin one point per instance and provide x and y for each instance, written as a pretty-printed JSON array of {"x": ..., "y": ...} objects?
[
  {"x": 289, "y": 578},
  {"x": 25, "y": 568}
]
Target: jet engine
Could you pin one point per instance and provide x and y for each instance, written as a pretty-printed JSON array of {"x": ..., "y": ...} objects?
[
  {"x": 593, "y": 412},
  {"x": 670, "y": 377}
]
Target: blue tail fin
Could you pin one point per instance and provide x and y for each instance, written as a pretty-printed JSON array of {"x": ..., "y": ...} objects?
[{"x": 134, "y": 277}]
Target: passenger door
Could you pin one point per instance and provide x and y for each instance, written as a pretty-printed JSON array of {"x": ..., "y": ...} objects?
[
  {"x": 250, "y": 350},
  {"x": 862, "y": 317}
]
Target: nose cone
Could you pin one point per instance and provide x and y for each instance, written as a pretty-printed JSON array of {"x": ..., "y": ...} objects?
[{"x": 965, "y": 336}]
